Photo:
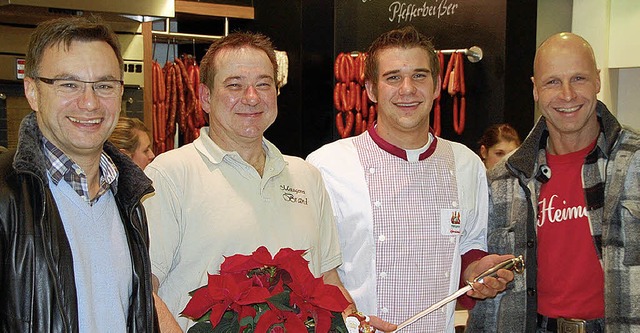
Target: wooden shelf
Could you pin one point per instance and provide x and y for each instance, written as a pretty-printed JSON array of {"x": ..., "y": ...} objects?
[{"x": 211, "y": 9}]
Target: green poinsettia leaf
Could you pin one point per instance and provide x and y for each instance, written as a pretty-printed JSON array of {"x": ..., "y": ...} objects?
[
  {"x": 281, "y": 301},
  {"x": 337, "y": 323},
  {"x": 201, "y": 327},
  {"x": 228, "y": 324}
]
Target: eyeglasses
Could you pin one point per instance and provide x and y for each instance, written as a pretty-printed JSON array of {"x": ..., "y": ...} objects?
[{"x": 75, "y": 88}]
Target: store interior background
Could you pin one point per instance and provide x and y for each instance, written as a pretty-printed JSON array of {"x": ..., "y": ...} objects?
[
  {"x": 313, "y": 32},
  {"x": 498, "y": 87}
]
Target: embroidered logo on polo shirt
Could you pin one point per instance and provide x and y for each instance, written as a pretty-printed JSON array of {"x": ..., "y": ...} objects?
[
  {"x": 450, "y": 220},
  {"x": 294, "y": 195}
]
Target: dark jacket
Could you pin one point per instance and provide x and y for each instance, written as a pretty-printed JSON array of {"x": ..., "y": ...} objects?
[{"x": 38, "y": 292}]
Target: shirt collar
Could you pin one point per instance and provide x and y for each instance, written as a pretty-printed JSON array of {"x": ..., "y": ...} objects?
[
  {"x": 397, "y": 151},
  {"x": 60, "y": 166}
]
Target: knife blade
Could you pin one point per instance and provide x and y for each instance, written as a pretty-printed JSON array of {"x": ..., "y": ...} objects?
[{"x": 515, "y": 264}]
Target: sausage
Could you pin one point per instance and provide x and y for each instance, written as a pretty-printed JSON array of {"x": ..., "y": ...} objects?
[
  {"x": 363, "y": 59},
  {"x": 358, "y": 123},
  {"x": 156, "y": 128},
  {"x": 336, "y": 67},
  {"x": 349, "y": 67},
  {"x": 345, "y": 69},
  {"x": 344, "y": 97},
  {"x": 352, "y": 98},
  {"x": 337, "y": 103},
  {"x": 187, "y": 98},
  {"x": 159, "y": 82},
  {"x": 154, "y": 83},
  {"x": 364, "y": 103},
  {"x": 356, "y": 95},
  {"x": 372, "y": 115},
  {"x": 181, "y": 110},
  {"x": 445, "y": 83},
  {"x": 348, "y": 126},
  {"x": 173, "y": 107},
  {"x": 340, "y": 124},
  {"x": 463, "y": 88}
]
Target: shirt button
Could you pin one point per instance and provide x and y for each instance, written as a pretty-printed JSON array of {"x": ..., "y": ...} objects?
[
  {"x": 383, "y": 275},
  {"x": 531, "y": 291},
  {"x": 530, "y": 243},
  {"x": 446, "y": 275},
  {"x": 372, "y": 170},
  {"x": 451, "y": 172},
  {"x": 382, "y": 238},
  {"x": 384, "y": 310},
  {"x": 377, "y": 203},
  {"x": 454, "y": 203},
  {"x": 452, "y": 240}
]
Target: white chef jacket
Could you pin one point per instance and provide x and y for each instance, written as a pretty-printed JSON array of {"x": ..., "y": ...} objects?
[{"x": 351, "y": 185}]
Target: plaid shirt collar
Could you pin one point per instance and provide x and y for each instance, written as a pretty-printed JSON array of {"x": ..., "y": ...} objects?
[{"x": 60, "y": 166}]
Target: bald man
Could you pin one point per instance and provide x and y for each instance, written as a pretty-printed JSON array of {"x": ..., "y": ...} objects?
[{"x": 569, "y": 201}]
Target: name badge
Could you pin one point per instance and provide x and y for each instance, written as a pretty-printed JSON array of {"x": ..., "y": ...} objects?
[{"x": 450, "y": 221}]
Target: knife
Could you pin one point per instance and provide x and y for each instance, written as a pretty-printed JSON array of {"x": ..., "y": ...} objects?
[{"x": 514, "y": 264}]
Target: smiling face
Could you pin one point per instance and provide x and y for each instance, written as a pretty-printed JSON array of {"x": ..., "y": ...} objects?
[
  {"x": 565, "y": 85},
  {"x": 242, "y": 100},
  {"x": 404, "y": 92},
  {"x": 79, "y": 126}
]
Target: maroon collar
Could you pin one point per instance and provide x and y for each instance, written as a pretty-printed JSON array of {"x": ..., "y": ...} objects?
[{"x": 397, "y": 151}]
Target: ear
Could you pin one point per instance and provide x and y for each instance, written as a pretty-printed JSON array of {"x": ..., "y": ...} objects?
[
  {"x": 483, "y": 152},
  {"x": 369, "y": 87},
  {"x": 31, "y": 92},
  {"x": 598, "y": 82},
  {"x": 535, "y": 90},
  {"x": 205, "y": 97},
  {"x": 437, "y": 89}
]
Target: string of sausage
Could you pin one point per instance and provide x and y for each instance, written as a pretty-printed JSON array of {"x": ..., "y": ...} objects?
[
  {"x": 350, "y": 96},
  {"x": 459, "y": 112},
  {"x": 455, "y": 85},
  {"x": 176, "y": 100}
]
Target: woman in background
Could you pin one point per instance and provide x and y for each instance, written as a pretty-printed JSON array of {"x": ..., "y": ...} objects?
[
  {"x": 131, "y": 136},
  {"x": 496, "y": 142}
]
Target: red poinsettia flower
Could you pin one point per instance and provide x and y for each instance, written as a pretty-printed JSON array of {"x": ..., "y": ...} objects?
[
  {"x": 275, "y": 316},
  {"x": 317, "y": 300},
  {"x": 267, "y": 294},
  {"x": 240, "y": 263},
  {"x": 223, "y": 292}
]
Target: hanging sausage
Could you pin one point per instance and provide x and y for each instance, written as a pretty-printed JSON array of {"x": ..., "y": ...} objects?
[
  {"x": 350, "y": 97},
  {"x": 176, "y": 101}
]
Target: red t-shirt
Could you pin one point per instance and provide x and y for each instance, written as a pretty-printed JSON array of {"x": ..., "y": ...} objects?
[{"x": 570, "y": 276}]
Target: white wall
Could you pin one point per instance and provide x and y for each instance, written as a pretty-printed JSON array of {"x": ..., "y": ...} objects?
[{"x": 612, "y": 27}]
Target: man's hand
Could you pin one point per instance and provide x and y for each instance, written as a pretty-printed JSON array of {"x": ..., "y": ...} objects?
[
  {"x": 381, "y": 325},
  {"x": 491, "y": 286}
]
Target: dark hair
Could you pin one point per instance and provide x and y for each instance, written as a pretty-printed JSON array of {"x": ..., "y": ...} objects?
[
  {"x": 407, "y": 37},
  {"x": 235, "y": 40},
  {"x": 124, "y": 136},
  {"x": 496, "y": 133},
  {"x": 64, "y": 31}
]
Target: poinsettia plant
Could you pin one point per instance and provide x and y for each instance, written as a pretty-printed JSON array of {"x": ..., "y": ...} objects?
[{"x": 261, "y": 293}]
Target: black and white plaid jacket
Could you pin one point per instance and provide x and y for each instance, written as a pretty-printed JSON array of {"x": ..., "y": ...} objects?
[{"x": 611, "y": 177}]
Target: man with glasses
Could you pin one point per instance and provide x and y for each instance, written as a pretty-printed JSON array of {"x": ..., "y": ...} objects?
[{"x": 73, "y": 233}]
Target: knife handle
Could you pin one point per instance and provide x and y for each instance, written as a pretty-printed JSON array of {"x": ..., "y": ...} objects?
[{"x": 514, "y": 264}]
